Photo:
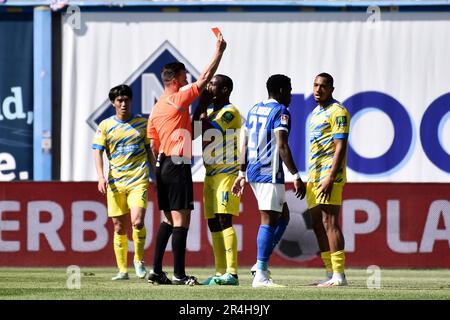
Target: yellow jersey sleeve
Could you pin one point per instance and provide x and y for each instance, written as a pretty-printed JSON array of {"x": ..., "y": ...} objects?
[
  {"x": 99, "y": 141},
  {"x": 227, "y": 118},
  {"x": 340, "y": 123}
]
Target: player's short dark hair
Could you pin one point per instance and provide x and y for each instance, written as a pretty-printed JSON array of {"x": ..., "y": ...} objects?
[
  {"x": 277, "y": 82},
  {"x": 120, "y": 90},
  {"x": 330, "y": 80},
  {"x": 171, "y": 70},
  {"x": 226, "y": 81}
]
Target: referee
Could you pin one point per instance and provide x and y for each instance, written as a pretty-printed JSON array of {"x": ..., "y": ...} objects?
[{"x": 170, "y": 133}]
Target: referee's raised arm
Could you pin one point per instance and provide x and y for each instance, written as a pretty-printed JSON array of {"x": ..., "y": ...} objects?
[{"x": 210, "y": 70}]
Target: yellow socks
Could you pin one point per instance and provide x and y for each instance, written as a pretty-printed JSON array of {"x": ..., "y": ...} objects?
[
  {"x": 231, "y": 250},
  {"x": 139, "y": 243},
  {"x": 225, "y": 251},
  {"x": 219, "y": 252},
  {"x": 121, "y": 251},
  {"x": 326, "y": 258},
  {"x": 338, "y": 261}
]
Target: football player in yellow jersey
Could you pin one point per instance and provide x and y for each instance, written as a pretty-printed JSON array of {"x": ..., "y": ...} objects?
[
  {"x": 329, "y": 130},
  {"x": 220, "y": 127},
  {"x": 124, "y": 138}
]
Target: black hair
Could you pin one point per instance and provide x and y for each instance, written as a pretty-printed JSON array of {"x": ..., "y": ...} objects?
[
  {"x": 171, "y": 70},
  {"x": 327, "y": 76},
  {"x": 120, "y": 90},
  {"x": 277, "y": 82},
  {"x": 225, "y": 81}
]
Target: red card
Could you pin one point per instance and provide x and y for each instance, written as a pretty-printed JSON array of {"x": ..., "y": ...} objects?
[{"x": 216, "y": 31}]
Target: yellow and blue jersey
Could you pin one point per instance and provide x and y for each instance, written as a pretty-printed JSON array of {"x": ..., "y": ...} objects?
[
  {"x": 327, "y": 123},
  {"x": 125, "y": 145},
  {"x": 221, "y": 155}
]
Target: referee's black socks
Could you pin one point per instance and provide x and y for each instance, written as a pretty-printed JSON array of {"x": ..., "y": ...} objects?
[
  {"x": 164, "y": 233},
  {"x": 179, "y": 236}
]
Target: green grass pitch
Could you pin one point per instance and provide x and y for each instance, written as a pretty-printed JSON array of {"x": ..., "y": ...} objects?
[{"x": 95, "y": 283}]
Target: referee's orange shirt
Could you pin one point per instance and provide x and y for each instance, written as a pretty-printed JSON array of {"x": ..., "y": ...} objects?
[{"x": 169, "y": 123}]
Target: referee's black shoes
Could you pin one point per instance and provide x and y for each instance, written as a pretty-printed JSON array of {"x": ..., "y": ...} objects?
[
  {"x": 158, "y": 278},
  {"x": 187, "y": 280}
]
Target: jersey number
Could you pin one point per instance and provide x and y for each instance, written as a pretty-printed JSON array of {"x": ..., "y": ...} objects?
[{"x": 256, "y": 135}]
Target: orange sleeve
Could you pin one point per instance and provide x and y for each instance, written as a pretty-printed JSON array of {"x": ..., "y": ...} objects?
[
  {"x": 186, "y": 95},
  {"x": 153, "y": 135},
  {"x": 151, "y": 131}
]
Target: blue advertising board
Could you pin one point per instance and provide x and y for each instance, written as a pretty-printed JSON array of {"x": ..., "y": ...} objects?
[{"x": 16, "y": 96}]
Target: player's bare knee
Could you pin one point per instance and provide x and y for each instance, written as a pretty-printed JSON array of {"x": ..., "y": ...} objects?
[
  {"x": 326, "y": 221},
  {"x": 138, "y": 224},
  {"x": 119, "y": 228},
  {"x": 332, "y": 226}
]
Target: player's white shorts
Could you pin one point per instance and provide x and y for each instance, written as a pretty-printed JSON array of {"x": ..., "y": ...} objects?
[{"x": 270, "y": 196}]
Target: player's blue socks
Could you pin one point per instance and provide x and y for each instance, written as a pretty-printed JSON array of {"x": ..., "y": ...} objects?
[
  {"x": 281, "y": 228},
  {"x": 261, "y": 265},
  {"x": 265, "y": 243}
]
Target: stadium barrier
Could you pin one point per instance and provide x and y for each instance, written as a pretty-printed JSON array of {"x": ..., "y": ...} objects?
[{"x": 389, "y": 225}]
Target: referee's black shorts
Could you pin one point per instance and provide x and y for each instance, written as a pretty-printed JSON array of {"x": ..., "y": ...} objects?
[{"x": 174, "y": 185}]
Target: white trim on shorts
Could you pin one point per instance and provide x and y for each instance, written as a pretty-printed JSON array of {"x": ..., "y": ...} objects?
[{"x": 270, "y": 196}]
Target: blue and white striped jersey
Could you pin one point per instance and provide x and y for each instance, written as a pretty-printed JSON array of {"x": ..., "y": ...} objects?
[{"x": 263, "y": 159}]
